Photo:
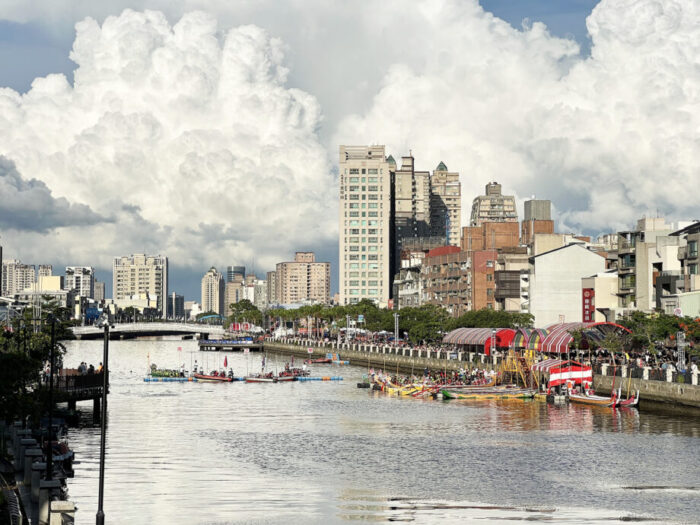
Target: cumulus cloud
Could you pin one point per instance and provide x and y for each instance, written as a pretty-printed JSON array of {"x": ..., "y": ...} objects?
[
  {"x": 28, "y": 206},
  {"x": 188, "y": 136},
  {"x": 607, "y": 138}
]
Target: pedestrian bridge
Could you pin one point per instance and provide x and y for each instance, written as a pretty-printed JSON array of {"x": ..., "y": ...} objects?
[{"x": 133, "y": 330}]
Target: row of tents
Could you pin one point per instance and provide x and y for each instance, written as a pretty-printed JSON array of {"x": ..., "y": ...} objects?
[{"x": 554, "y": 339}]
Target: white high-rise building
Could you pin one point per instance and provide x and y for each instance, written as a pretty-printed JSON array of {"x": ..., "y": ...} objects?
[
  {"x": 16, "y": 277},
  {"x": 213, "y": 291},
  {"x": 446, "y": 205},
  {"x": 141, "y": 274},
  {"x": 364, "y": 225},
  {"x": 81, "y": 279}
]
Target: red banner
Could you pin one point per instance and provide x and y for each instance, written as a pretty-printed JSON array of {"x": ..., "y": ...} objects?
[{"x": 588, "y": 298}]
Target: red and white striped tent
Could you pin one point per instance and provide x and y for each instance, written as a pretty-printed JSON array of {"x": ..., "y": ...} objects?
[{"x": 560, "y": 371}]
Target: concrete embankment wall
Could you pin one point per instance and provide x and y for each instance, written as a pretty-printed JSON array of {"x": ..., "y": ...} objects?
[
  {"x": 389, "y": 362},
  {"x": 655, "y": 391}
]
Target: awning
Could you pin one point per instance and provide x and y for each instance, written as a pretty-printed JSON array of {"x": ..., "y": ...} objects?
[
  {"x": 560, "y": 371},
  {"x": 537, "y": 335},
  {"x": 559, "y": 336},
  {"x": 480, "y": 337}
]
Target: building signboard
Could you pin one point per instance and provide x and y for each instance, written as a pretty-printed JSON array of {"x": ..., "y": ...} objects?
[{"x": 588, "y": 305}]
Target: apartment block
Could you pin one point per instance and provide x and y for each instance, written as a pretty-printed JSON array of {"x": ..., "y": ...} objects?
[
  {"x": 303, "y": 279},
  {"x": 490, "y": 236},
  {"x": 272, "y": 288},
  {"x": 447, "y": 279},
  {"x": 365, "y": 225},
  {"x": 446, "y": 205},
  {"x": 99, "y": 291},
  {"x": 493, "y": 206},
  {"x": 213, "y": 291},
  {"x": 412, "y": 199},
  {"x": 134, "y": 275},
  {"x": 45, "y": 270},
  {"x": 81, "y": 279},
  {"x": 16, "y": 277},
  {"x": 512, "y": 266},
  {"x": 645, "y": 254}
]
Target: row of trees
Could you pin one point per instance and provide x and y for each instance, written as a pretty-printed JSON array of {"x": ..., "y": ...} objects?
[
  {"x": 427, "y": 322},
  {"x": 650, "y": 331}
]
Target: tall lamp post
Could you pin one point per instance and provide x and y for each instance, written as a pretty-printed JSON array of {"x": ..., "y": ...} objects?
[
  {"x": 396, "y": 329},
  {"x": 103, "y": 322},
  {"x": 49, "y": 449}
]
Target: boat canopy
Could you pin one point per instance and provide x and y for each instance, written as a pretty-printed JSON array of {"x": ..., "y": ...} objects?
[
  {"x": 559, "y": 336},
  {"x": 560, "y": 371},
  {"x": 480, "y": 337}
]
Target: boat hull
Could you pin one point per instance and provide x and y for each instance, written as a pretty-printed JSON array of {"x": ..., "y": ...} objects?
[
  {"x": 212, "y": 379},
  {"x": 592, "y": 400},
  {"x": 489, "y": 394}
]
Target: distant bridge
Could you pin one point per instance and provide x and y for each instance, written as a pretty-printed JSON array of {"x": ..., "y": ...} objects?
[{"x": 133, "y": 330}]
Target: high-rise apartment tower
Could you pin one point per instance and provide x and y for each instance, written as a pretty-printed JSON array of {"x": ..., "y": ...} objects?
[
  {"x": 140, "y": 274},
  {"x": 365, "y": 225}
]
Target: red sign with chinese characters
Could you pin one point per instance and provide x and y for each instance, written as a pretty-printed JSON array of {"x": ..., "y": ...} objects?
[{"x": 588, "y": 305}]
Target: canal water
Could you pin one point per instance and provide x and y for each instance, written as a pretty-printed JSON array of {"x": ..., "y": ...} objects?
[{"x": 328, "y": 452}]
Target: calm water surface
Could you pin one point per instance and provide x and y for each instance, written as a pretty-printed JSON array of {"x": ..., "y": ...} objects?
[{"x": 319, "y": 452}]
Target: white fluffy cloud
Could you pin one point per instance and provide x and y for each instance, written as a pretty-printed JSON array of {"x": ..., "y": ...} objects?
[
  {"x": 607, "y": 138},
  {"x": 187, "y": 136}
]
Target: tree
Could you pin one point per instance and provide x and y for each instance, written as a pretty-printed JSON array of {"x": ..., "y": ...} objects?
[{"x": 244, "y": 311}]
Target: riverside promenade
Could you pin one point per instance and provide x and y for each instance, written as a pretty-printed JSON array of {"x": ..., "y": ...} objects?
[{"x": 680, "y": 390}]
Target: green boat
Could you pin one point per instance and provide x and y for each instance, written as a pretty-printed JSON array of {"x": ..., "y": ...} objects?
[
  {"x": 163, "y": 372},
  {"x": 489, "y": 394}
]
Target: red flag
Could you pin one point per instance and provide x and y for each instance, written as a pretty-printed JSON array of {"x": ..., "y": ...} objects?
[{"x": 225, "y": 362}]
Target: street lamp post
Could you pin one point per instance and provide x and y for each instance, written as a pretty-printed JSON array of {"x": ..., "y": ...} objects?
[
  {"x": 396, "y": 328},
  {"x": 49, "y": 449},
  {"x": 104, "y": 323}
]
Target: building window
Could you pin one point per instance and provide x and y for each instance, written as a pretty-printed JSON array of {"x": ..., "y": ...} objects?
[
  {"x": 489, "y": 277},
  {"x": 692, "y": 248},
  {"x": 354, "y": 214},
  {"x": 693, "y": 269},
  {"x": 354, "y": 171},
  {"x": 372, "y": 171},
  {"x": 372, "y": 179}
]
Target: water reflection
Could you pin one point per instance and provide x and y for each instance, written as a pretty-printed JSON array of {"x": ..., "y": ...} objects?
[{"x": 331, "y": 453}]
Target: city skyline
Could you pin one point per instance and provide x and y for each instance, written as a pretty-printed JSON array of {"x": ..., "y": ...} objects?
[{"x": 166, "y": 167}]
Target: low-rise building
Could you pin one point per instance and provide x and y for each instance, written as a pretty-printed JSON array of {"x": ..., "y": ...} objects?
[
  {"x": 599, "y": 297},
  {"x": 555, "y": 283}
]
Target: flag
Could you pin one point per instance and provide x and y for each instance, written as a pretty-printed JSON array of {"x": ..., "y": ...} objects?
[{"x": 225, "y": 362}]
